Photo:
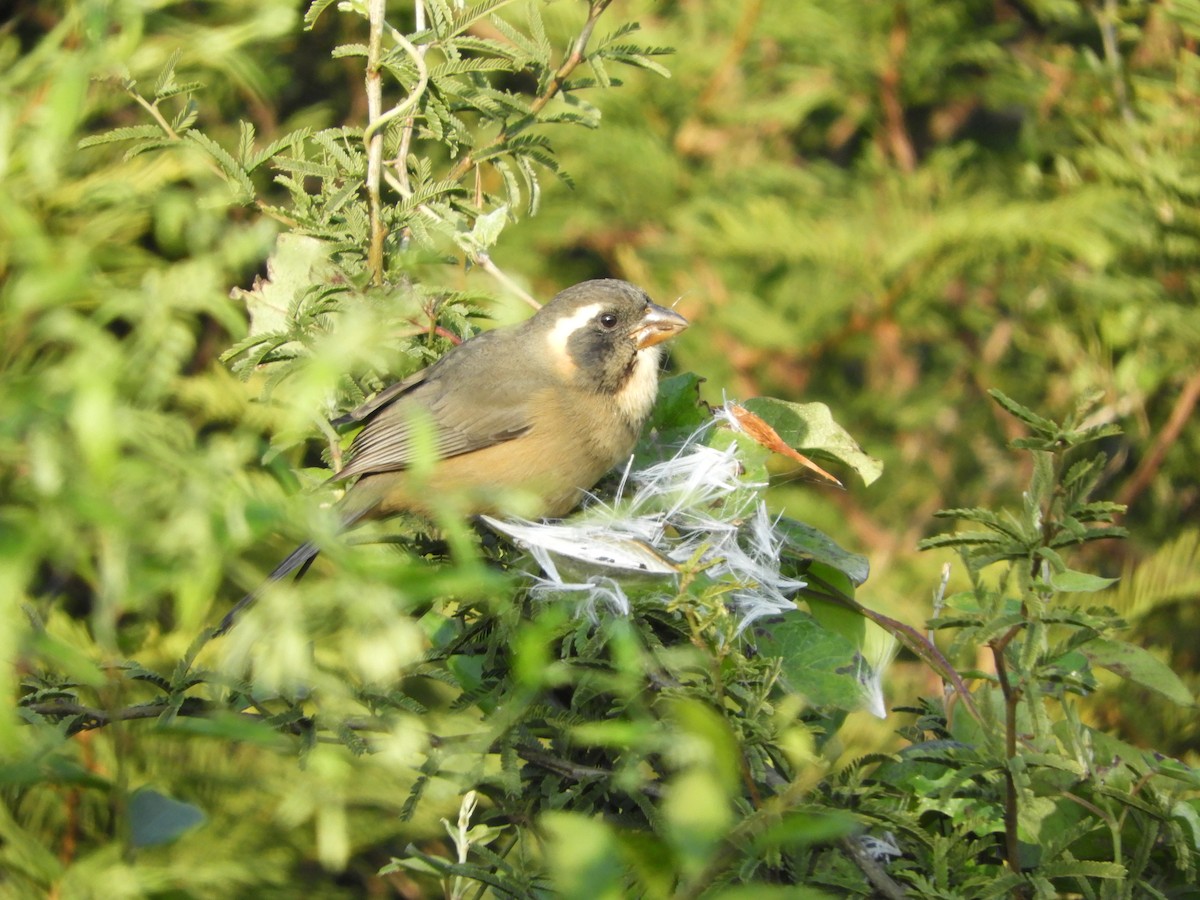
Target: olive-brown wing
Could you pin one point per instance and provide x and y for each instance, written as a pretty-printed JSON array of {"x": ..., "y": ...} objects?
[{"x": 470, "y": 400}]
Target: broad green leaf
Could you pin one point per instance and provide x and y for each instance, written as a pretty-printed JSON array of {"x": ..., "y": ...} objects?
[
  {"x": 1071, "y": 581},
  {"x": 1139, "y": 666},
  {"x": 486, "y": 231},
  {"x": 1185, "y": 811},
  {"x": 810, "y": 428},
  {"x": 712, "y": 743},
  {"x": 817, "y": 663},
  {"x": 297, "y": 263},
  {"x": 678, "y": 409},
  {"x": 810, "y": 543}
]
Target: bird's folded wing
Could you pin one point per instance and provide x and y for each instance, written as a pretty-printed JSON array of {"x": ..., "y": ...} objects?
[
  {"x": 382, "y": 399},
  {"x": 461, "y": 415}
]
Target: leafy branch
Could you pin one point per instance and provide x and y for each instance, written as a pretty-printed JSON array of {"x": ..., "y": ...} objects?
[{"x": 1030, "y": 668}]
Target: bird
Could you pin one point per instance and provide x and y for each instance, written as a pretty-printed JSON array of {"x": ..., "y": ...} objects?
[{"x": 524, "y": 418}]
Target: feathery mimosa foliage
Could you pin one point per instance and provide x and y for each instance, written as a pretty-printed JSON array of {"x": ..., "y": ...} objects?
[{"x": 221, "y": 225}]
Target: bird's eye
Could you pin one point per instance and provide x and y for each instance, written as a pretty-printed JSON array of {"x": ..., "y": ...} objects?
[{"x": 608, "y": 320}]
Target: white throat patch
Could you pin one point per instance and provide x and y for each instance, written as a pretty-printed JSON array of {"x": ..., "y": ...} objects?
[{"x": 637, "y": 397}]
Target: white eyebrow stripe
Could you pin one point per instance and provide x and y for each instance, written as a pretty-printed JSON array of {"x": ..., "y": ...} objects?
[{"x": 560, "y": 335}]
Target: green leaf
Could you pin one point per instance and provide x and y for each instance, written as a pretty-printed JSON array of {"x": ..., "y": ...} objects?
[
  {"x": 816, "y": 662},
  {"x": 155, "y": 819},
  {"x": 1139, "y": 666},
  {"x": 697, "y": 811},
  {"x": 810, "y": 429},
  {"x": 810, "y": 543},
  {"x": 116, "y": 135},
  {"x": 297, "y": 263},
  {"x": 226, "y": 726},
  {"x": 1083, "y": 868},
  {"x": 1044, "y": 426},
  {"x": 314, "y": 12},
  {"x": 678, "y": 411},
  {"x": 1072, "y": 582},
  {"x": 583, "y": 856},
  {"x": 72, "y": 661},
  {"x": 803, "y": 827},
  {"x": 235, "y": 175},
  {"x": 486, "y": 231}
]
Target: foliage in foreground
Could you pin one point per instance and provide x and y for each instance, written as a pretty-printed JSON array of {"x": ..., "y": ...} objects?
[{"x": 578, "y": 730}]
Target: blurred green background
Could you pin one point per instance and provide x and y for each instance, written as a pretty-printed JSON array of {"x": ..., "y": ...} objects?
[{"x": 888, "y": 207}]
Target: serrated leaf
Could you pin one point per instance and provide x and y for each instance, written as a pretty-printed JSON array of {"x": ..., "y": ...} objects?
[
  {"x": 314, "y": 12},
  {"x": 186, "y": 87},
  {"x": 166, "y": 77},
  {"x": 958, "y": 539},
  {"x": 342, "y": 51},
  {"x": 1096, "y": 433},
  {"x": 186, "y": 117}
]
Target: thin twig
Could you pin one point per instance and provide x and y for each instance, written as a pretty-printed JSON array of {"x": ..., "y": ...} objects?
[
  {"x": 481, "y": 259},
  {"x": 574, "y": 58},
  {"x": 1112, "y": 53},
  {"x": 898, "y": 139},
  {"x": 577, "y": 772},
  {"x": 1181, "y": 414},
  {"x": 939, "y": 604},
  {"x": 377, "y": 121},
  {"x": 484, "y": 261},
  {"x": 1012, "y": 846},
  {"x": 373, "y": 136},
  {"x": 90, "y": 718},
  {"x": 414, "y": 96},
  {"x": 883, "y": 883},
  {"x": 155, "y": 112},
  {"x": 400, "y": 162}
]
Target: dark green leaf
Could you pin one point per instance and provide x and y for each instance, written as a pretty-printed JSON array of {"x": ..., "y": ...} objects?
[
  {"x": 816, "y": 662},
  {"x": 155, "y": 819}
]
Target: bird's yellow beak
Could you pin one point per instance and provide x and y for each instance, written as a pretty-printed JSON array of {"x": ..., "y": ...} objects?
[{"x": 657, "y": 325}]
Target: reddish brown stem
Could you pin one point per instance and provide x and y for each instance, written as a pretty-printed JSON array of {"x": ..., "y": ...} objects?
[
  {"x": 1012, "y": 697},
  {"x": 899, "y": 142},
  {"x": 1181, "y": 414}
]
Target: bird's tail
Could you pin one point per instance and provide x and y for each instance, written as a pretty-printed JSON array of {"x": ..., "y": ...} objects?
[
  {"x": 355, "y": 505},
  {"x": 300, "y": 558}
]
